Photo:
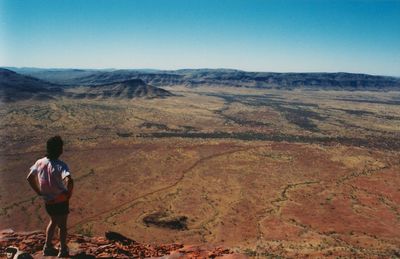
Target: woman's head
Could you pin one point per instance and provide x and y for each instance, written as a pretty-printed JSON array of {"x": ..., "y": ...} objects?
[{"x": 54, "y": 147}]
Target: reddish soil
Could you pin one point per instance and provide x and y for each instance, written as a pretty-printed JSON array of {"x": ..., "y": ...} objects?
[{"x": 259, "y": 198}]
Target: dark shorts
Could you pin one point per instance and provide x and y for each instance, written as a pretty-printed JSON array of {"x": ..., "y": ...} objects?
[{"x": 61, "y": 208}]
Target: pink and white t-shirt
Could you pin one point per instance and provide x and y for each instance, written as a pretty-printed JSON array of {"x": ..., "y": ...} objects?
[{"x": 51, "y": 174}]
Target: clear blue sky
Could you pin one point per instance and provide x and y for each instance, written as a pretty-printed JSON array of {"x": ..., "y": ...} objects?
[{"x": 253, "y": 35}]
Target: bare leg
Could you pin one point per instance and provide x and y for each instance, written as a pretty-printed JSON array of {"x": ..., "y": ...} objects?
[
  {"x": 62, "y": 224},
  {"x": 50, "y": 231}
]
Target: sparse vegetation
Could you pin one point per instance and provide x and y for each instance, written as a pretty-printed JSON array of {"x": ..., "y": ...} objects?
[
  {"x": 85, "y": 230},
  {"x": 300, "y": 173}
]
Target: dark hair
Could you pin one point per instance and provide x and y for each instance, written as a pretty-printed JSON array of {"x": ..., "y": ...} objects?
[{"x": 54, "y": 147}]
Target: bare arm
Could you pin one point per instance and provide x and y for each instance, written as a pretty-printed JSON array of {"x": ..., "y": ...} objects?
[
  {"x": 70, "y": 185},
  {"x": 33, "y": 183}
]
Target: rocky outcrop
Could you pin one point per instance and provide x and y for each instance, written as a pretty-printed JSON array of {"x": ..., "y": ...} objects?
[{"x": 112, "y": 245}]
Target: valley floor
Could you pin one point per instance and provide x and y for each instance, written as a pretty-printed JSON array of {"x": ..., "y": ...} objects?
[{"x": 289, "y": 173}]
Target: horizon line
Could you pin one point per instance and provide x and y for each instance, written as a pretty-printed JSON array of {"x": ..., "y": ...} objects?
[{"x": 204, "y": 68}]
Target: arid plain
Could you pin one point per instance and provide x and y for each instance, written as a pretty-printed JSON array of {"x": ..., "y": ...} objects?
[{"x": 263, "y": 172}]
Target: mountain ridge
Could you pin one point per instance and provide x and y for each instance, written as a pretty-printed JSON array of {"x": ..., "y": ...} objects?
[
  {"x": 17, "y": 87},
  {"x": 127, "y": 89},
  {"x": 220, "y": 77}
]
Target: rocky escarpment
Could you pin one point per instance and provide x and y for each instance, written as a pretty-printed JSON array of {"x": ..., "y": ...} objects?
[
  {"x": 221, "y": 77},
  {"x": 112, "y": 245}
]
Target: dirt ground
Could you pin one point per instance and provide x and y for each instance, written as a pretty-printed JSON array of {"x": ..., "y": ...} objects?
[{"x": 264, "y": 173}]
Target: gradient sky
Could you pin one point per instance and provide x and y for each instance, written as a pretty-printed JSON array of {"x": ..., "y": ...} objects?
[{"x": 254, "y": 35}]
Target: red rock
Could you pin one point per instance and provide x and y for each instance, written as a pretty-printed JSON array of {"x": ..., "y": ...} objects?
[
  {"x": 7, "y": 231},
  {"x": 85, "y": 247},
  {"x": 105, "y": 255}
]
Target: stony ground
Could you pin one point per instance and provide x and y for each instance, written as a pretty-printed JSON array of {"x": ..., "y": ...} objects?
[{"x": 112, "y": 245}]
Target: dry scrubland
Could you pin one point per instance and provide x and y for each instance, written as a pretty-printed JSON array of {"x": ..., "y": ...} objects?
[{"x": 265, "y": 172}]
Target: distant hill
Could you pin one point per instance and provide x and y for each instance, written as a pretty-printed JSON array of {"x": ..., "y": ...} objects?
[
  {"x": 128, "y": 89},
  {"x": 219, "y": 77},
  {"x": 15, "y": 87}
]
